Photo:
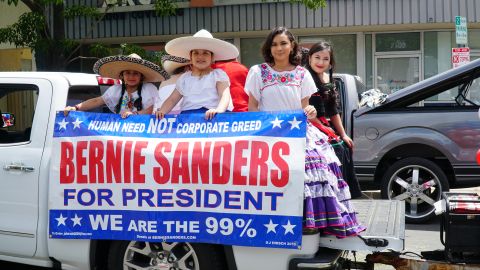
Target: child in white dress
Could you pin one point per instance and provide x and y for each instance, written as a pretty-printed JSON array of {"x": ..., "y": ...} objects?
[{"x": 203, "y": 89}]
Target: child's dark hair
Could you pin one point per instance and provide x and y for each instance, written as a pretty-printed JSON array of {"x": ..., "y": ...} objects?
[
  {"x": 137, "y": 103},
  {"x": 294, "y": 58},
  {"x": 328, "y": 90}
]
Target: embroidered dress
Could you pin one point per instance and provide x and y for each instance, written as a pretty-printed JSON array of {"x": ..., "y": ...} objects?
[{"x": 326, "y": 194}]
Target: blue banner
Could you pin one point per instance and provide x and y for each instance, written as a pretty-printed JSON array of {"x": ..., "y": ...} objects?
[
  {"x": 229, "y": 229},
  {"x": 234, "y": 180},
  {"x": 271, "y": 124}
]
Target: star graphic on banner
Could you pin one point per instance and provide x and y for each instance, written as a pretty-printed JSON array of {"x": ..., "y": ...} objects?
[
  {"x": 61, "y": 220},
  {"x": 295, "y": 123},
  {"x": 77, "y": 123},
  {"x": 63, "y": 124},
  {"x": 271, "y": 226},
  {"x": 289, "y": 227},
  {"x": 276, "y": 122},
  {"x": 76, "y": 220}
]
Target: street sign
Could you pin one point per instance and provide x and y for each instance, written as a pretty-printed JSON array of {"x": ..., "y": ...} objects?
[
  {"x": 460, "y": 56},
  {"x": 461, "y": 34}
]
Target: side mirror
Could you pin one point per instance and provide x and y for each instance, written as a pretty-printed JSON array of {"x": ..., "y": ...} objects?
[{"x": 8, "y": 120}]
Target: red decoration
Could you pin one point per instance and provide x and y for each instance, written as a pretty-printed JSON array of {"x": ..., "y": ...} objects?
[{"x": 478, "y": 156}]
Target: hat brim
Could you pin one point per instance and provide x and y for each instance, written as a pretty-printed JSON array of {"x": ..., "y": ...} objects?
[
  {"x": 112, "y": 66},
  {"x": 171, "y": 66},
  {"x": 182, "y": 47}
]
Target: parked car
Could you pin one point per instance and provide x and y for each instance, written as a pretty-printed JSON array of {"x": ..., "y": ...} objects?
[{"x": 420, "y": 142}]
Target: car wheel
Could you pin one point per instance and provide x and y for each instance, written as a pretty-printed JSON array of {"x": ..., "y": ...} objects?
[
  {"x": 130, "y": 255},
  {"x": 417, "y": 181}
]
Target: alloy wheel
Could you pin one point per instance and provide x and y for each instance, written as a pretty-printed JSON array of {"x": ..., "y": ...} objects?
[{"x": 160, "y": 256}]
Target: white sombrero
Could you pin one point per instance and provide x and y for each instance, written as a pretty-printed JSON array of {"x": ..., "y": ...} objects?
[
  {"x": 170, "y": 63},
  {"x": 112, "y": 66},
  {"x": 182, "y": 46}
]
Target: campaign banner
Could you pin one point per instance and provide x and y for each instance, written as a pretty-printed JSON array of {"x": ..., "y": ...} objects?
[{"x": 235, "y": 180}]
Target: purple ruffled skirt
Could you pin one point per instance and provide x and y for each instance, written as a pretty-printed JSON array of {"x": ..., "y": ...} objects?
[{"x": 326, "y": 196}]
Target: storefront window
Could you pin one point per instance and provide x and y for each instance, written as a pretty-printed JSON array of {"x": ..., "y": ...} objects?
[
  {"x": 345, "y": 50},
  {"x": 437, "y": 59},
  {"x": 430, "y": 54},
  {"x": 397, "y": 42},
  {"x": 474, "y": 39},
  {"x": 437, "y": 51},
  {"x": 368, "y": 62},
  {"x": 395, "y": 73},
  {"x": 250, "y": 51}
]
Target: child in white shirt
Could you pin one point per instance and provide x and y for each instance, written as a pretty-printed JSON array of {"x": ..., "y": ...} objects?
[{"x": 203, "y": 89}]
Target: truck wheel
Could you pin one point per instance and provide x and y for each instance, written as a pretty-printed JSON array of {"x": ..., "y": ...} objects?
[
  {"x": 130, "y": 255},
  {"x": 417, "y": 181}
]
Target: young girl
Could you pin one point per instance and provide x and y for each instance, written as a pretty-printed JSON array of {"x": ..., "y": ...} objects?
[
  {"x": 135, "y": 95},
  {"x": 281, "y": 84},
  {"x": 325, "y": 100},
  {"x": 203, "y": 89}
]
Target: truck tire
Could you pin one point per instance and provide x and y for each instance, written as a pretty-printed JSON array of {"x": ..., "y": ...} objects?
[
  {"x": 129, "y": 255},
  {"x": 417, "y": 181}
]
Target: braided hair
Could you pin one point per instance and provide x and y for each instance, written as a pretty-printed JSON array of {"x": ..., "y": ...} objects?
[{"x": 137, "y": 103}]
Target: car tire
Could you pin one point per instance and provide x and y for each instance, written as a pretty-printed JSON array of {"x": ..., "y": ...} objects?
[
  {"x": 129, "y": 255},
  {"x": 417, "y": 181}
]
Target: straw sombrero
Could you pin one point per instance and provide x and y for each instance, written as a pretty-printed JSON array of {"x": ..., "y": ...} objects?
[
  {"x": 182, "y": 46},
  {"x": 170, "y": 63},
  {"x": 112, "y": 66}
]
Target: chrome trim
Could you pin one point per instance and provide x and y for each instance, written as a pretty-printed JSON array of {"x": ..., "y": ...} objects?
[{"x": 27, "y": 235}]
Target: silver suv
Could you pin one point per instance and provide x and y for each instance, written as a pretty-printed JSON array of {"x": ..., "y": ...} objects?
[{"x": 414, "y": 146}]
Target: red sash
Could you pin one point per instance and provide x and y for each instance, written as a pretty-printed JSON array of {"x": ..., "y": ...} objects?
[{"x": 324, "y": 127}]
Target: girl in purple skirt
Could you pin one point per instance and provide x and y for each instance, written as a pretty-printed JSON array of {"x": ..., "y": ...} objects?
[{"x": 282, "y": 84}]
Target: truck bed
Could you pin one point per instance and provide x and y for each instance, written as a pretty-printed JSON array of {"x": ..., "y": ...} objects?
[{"x": 385, "y": 222}]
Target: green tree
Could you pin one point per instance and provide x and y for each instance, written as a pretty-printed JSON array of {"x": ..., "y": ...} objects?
[{"x": 54, "y": 51}]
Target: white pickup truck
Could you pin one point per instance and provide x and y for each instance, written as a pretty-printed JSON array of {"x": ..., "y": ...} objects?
[{"x": 28, "y": 104}]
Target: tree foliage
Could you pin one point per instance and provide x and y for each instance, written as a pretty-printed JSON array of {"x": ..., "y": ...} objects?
[
  {"x": 24, "y": 33},
  {"x": 54, "y": 51},
  {"x": 311, "y": 4}
]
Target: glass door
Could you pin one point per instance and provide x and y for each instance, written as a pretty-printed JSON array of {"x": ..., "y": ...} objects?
[{"x": 393, "y": 73}]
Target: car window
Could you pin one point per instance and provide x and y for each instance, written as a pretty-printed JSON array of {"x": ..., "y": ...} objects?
[
  {"x": 77, "y": 94},
  {"x": 17, "y": 109},
  {"x": 462, "y": 95}
]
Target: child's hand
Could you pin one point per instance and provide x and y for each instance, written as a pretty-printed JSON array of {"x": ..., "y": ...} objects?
[
  {"x": 159, "y": 114},
  {"x": 310, "y": 112},
  {"x": 210, "y": 114},
  {"x": 126, "y": 114},
  {"x": 348, "y": 141},
  {"x": 68, "y": 109}
]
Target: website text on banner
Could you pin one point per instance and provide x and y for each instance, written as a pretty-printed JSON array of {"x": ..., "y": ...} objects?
[{"x": 235, "y": 180}]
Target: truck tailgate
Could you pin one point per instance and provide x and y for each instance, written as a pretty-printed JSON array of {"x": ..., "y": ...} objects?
[{"x": 385, "y": 222}]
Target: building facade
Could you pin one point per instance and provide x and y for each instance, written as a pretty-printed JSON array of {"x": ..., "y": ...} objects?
[
  {"x": 388, "y": 43},
  {"x": 12, "y": 58}
]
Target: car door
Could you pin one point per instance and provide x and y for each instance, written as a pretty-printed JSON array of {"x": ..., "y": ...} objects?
[{"x": 25, "y": 107}]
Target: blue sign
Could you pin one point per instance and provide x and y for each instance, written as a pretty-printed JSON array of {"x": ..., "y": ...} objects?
[{"x": 234, "y": 180}]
